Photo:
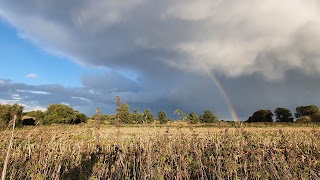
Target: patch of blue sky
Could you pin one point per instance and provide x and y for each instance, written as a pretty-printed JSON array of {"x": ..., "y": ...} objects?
[{"x": 20, "y": 58}]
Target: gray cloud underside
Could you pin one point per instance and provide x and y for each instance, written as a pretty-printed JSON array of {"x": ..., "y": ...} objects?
[
  {"x": 196, "y": 93},
  {"x": 253, "y": 47}
]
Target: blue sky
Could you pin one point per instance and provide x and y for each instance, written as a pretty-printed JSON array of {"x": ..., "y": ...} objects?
[
  {"x": 161, "y": 55},
  {"x": 20, "y": 58}
]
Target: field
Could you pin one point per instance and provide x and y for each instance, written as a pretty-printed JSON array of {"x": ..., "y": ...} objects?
[{"x": 170, "y": 152}]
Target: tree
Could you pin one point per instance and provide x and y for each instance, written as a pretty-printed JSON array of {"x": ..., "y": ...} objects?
[
  {"x": 82, "y": 118},
  {"x": 178, "y": 112},
  {"x": 315, "y": 117},
  {"x": 148, "y": 116},
  {"x": 109, "y": 118},
  {"x": 60, "y": 113},
  {"x": 306, "y": 110},
  {"x": 17, "y": 110},
  {"x": 208, "y": 117},
  {"x": 261, "y": 116},
  {"x": 38, "y": 115},
  {"x": 124, "y": 113},
  {"x": 137, "y": 117},
  {"x": 7, "y": 112},
  {"x": 283, "y": 115},
  {"x": 162, "y": 117},
  {"x": 304, "y": 119},
  {"x": 103, "y": 117},
  {"x": 193, "y": 118},
  {"x": 184, "y": 116}
]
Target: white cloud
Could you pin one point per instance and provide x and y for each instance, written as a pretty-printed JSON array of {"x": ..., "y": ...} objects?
[
  {"x": 33, "y": 107},
  {"x": 65, "y": 103},
  {"x": 81, "y": 98},
  {"x": 28, "y": 106},
  {"x": 33, "y": 92},
  {"x": 16, "y": 97},
  {"x": 4, "y": 101},
  {"x": 32, "y": 76}
]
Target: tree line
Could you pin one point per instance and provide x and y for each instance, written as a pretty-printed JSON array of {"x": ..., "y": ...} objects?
[
  {"x": 303, "y": 114},
  {"x": 55, "y": 113},
  {"x": 60, "y": 113},
  {"x": 125, "y": 116},
  {"x": 63, "y": 114}
]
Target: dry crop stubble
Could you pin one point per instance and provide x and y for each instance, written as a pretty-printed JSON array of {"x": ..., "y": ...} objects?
[{"x": 71, "y": 152}]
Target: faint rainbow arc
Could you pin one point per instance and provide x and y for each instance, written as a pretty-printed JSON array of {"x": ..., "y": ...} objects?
[{"x": 225, "y": 95}]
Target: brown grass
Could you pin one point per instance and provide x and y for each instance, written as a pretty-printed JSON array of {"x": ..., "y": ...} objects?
[
  {"x": 71, "y": 152},
  {"x": 5, "y": 164}
]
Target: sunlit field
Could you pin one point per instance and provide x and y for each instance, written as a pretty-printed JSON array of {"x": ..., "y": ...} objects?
[{"x": 174, "y": 151}]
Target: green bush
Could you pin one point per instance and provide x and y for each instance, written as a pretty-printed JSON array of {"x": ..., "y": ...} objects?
[
  {"x": 7, "y": 112},
  {"x": 60, "y": 113}
]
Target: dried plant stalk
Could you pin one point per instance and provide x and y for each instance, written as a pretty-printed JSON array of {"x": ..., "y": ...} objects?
[{"x": 4, "y": 171}]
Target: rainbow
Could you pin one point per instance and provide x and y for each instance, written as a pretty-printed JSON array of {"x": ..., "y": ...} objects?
[{"x": 225, "y": 96}]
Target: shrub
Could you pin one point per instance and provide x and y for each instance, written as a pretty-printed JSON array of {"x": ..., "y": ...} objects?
[
  {"x": 304, "y": 119},
  {"x": 60, "y": 113}
]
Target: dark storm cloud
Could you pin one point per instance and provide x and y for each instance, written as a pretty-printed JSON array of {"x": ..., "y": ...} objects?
[
  {"x": 255, "y": 48},
  {"x": 225, "y": 36},
  {"x": 253, "y": 92},
  {"x": 110, "y": 82}
]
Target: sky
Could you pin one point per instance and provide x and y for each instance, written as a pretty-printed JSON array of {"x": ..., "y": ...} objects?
[{"x": 230, "y": 57}]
